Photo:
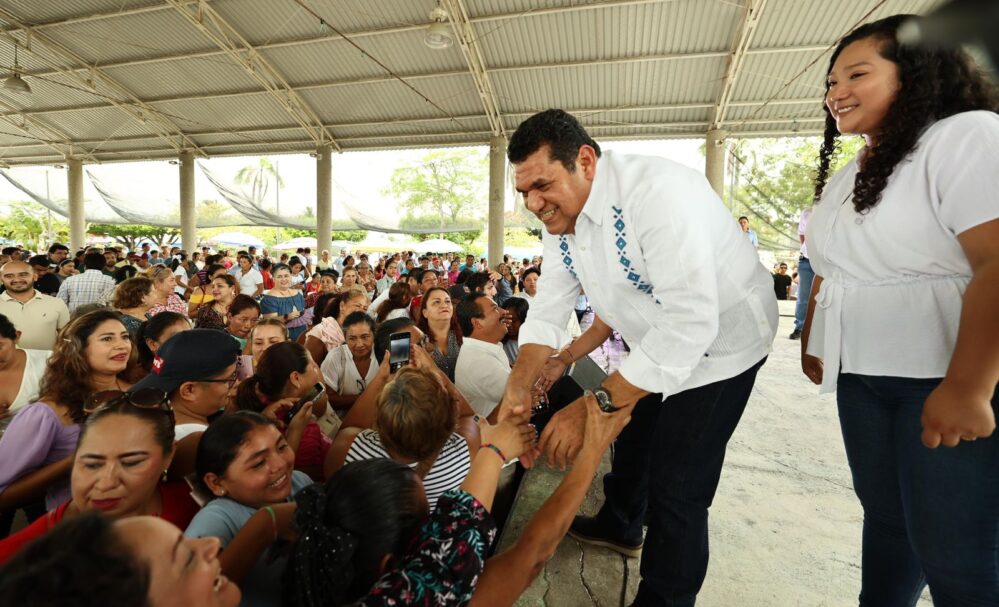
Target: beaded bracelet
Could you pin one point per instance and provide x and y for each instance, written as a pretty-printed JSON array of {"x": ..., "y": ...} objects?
[{"x": 496, "y": 450}]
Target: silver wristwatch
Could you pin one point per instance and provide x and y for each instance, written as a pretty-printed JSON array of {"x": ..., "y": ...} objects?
[{"x": 604, "y": 399}]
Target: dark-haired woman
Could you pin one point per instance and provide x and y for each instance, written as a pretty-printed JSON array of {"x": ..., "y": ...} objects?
[
  {"x": 215, "y": 313},
  {"x": 93, "y": 353},
  {"x": 439, "y": 323},
  {"x": 327, "y": 286},
  {"x": 20, "y": 372},
  {"x": 285, "y": 375},
  {"x": 154, "y": 332},
  {"x": 201, "y": 288},
  {"x": 327, "y": 332},
  {"x": 397, "y": 304},
  {"x": 244, "y": 314},
  {"x": 366, "y": 538},
  {"x": 245, "y": 463},
  {"x": 349, "y": 368},
  {"x": 902, "y": 324},
  {"x": 141, "y": 560},
  {"x": 285, "y": 302},
  {"x": 121, "y": 457}
]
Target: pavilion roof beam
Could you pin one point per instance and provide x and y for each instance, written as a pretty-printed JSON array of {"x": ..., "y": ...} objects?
[
  {"x": 207, "y": 20},
  {"x": 131, "y": 105},
  {"x": 470, "y": 49},
  {"x": 416, "y": 76},
  {"x": 743, "y": 39},
  {"x": 55, "y": 139}
]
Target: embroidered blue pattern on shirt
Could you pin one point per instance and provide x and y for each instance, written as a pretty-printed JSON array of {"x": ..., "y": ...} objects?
[
  {"x": 566, "y": 257},
  {"x": 621, "y": 242}
]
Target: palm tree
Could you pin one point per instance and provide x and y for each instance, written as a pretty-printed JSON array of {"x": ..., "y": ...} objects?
[{"x": 258, "y": 177}]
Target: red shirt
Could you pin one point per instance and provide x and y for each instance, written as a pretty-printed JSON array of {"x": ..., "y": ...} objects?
[{"x": 178, "y": 508}]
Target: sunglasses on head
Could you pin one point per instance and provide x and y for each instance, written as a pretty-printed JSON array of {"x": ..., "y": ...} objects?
[{"x": 147, "y": 398}]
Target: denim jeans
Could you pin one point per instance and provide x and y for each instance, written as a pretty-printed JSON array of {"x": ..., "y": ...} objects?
[
  {"x": 805, "y": 276},
  {"x": 669, "y": 459},
  {"x": 930, "y": 515}
]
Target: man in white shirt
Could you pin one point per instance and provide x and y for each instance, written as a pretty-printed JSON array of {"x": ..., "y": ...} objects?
[
  {"x": 338, "y": 262},
  {"x": 531, "y": 276},
  {"x": 626, "y": 229},
  {"x": 37, "y": 316},
  {"x": 251, "y": 281},
  {"x": 482, "y": 369}
]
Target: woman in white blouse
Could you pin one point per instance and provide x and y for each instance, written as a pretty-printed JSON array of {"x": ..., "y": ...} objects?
[
  {"x": 903, "y": 322},
  {"x": 20, "y": 372}
]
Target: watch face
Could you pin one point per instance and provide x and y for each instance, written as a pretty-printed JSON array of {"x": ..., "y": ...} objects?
[{"x": 604, "y": 400}]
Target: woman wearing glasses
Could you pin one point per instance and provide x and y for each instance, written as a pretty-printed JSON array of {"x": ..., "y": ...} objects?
[
  {"x": 92, "y": 353},
  {"x": 197, "y": 369},
  {"x": 125, "y": 447},
  {"x": 348, "y": 369},
  {"x": 286, "y": 375}
]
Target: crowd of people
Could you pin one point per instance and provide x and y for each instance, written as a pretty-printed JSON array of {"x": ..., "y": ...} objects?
[
  {"x": 209, "y": 431},
  {"x": 149, "y": 384}
]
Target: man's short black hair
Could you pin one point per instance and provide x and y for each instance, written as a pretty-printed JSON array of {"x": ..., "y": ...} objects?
[
  {"x": 94, "y": 261},
  {"x": 417, "y": 274},
  {"x": 528, "y": 272},
  {"x": 477, "y": 282},
  {"x": 56, "y": 246},
  {"x": 557, "y": 129},
  {"x": 39, "y": 260},
  {"x": 518, "y": 306},
  {"x": 743, "y": 217},
  {"x": 468, "y": 308}
]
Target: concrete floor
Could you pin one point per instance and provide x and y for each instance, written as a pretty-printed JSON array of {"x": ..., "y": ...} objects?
[{"x": 785, "y": 524}]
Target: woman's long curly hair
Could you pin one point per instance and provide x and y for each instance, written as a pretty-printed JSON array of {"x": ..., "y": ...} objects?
[
  {"x": 934, "y": 83},
  {"x": 67, "y": 375}
]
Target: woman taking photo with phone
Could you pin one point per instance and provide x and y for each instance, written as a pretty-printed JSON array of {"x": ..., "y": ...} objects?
[
  {"x": 283, "y": 383},
  {"x": 904, "y": 241}
]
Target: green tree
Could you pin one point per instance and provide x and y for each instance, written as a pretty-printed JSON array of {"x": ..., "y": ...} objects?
[
  {"x": 33, "y": 225},
  {"x": 777, "y": 182},
  {"x": 258, "y": 177},
  {"x": 212, "y": 211},
  {"x": 449, "y": 186},
  {"x": 130, "y": 235}
]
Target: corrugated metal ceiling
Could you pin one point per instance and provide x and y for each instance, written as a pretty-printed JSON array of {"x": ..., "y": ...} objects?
[{"x": 630, "y": 68}]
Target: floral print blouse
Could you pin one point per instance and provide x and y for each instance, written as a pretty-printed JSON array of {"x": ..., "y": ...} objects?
[{"x": 444, "y": 561}]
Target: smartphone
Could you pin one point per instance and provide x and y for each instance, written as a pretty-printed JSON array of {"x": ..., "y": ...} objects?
[
  {"x": 244, "y": 366},
  {"x": 311, "y": 396},
  {"x": 399, "y": 350}
]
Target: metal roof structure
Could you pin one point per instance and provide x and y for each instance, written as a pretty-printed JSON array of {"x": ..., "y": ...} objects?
[{"x": 118, "y": 80}]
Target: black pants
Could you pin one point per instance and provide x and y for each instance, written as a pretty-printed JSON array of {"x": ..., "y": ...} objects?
[{"x": 669, "y": 459}]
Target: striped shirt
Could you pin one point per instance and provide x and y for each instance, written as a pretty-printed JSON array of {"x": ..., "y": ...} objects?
[{"x": 448, "y": 472}]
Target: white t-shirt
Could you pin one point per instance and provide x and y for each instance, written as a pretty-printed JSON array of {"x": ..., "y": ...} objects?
[
  {"x": 802, "y": 224},
  {"x": 180, "y": 274},
  {"x": 481, "y": 374},
  {"x": 894, "y": 279},
  {"x": 248, "y": 281},
  {"x": 182, "y": 431},
  {"x": 34, "y": 368},
  {"x": 341, "y": 374}
]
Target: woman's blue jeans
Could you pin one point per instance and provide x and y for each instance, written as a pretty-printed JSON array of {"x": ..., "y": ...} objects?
[{"x": 930, "y": 515}]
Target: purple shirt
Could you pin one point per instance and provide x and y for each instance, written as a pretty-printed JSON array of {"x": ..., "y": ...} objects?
[{"x": 35, "y": 438}]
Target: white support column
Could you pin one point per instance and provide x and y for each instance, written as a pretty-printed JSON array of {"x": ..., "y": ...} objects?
[
  {"x": 77, "y": 219},
  {"x": 497, "y": 188},
  {"x": 188, "y": 215},
  {"x": 324, "y": 198},
  {"x": 714, "y": 167}
]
